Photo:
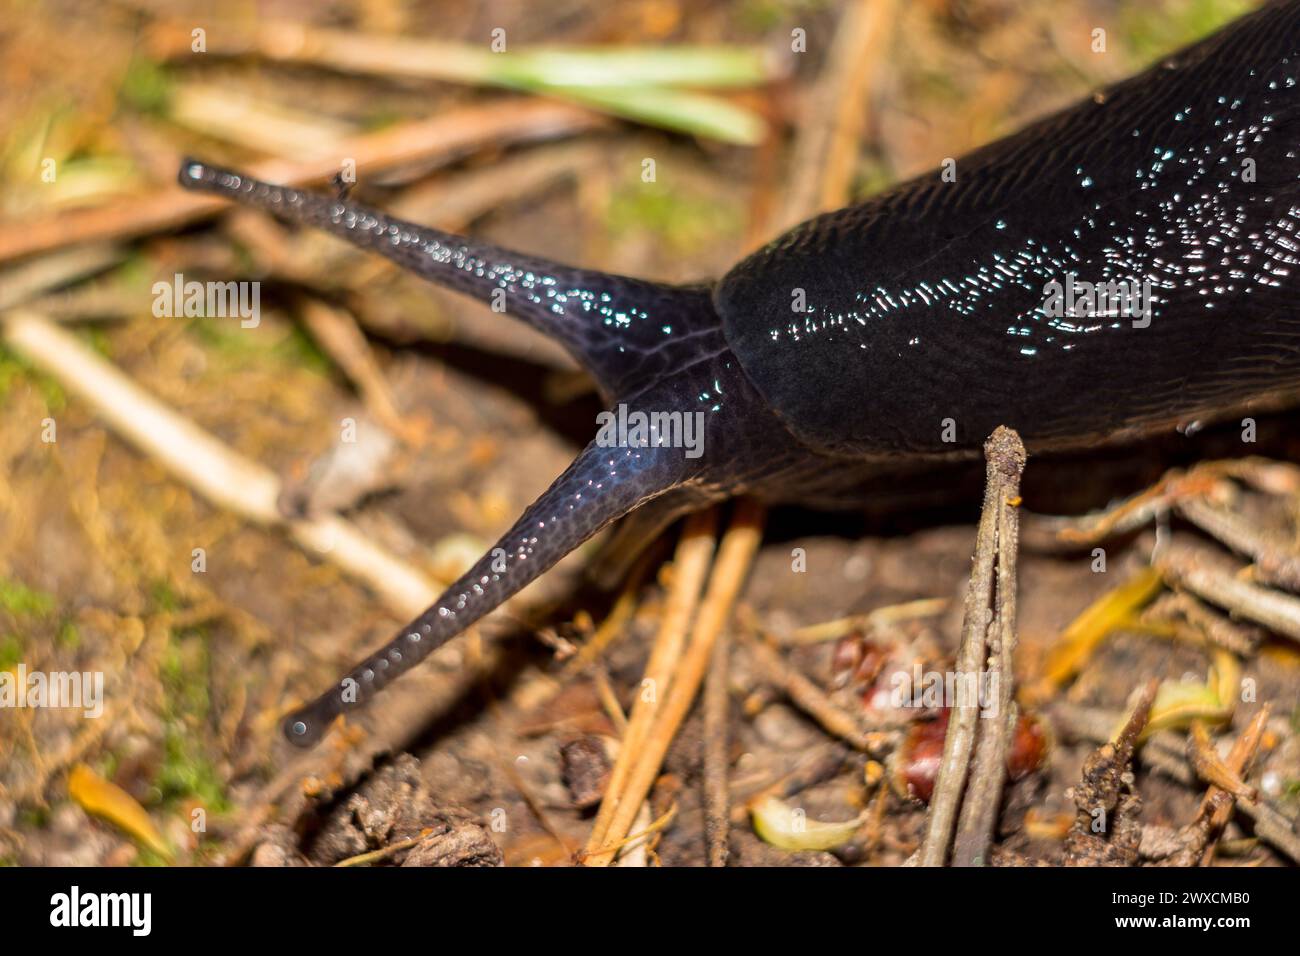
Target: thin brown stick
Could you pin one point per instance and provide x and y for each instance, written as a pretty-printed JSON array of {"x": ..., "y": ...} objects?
[
  {"x": 336, "y": 331},
  {"x": 806, "y": 695},
  {"x": 609, "y": 699},
  {"x": 716, "y": 747},
  {"x": 1212, "y": 768},
  {"x": 383, "y": 853},
  {"x": 535, "y": 806},
  {"x": 1159, "y": 754},
  {"x": 827, "y": 144},
  {"x": 1174, "y": 488},
  {"x": 615, "y": 624},
  {"x": 735, "y": 555},
  {"x": 1275, "y": 561},
  {"x": 1005, "y": 455},
  {"x": 1105, "y": 788},
  {"x": 217, "y": 472},
  {"x": 1132, "y": 512},
  {"x": 1213, "y": 628},
  {"x": 31, "y": 279},
  {"x": 1277, "y": 611},
  {"x": 420, "y": 57},
  {"x": 877, "y": 618},
  {"x": 450, "y": 134},
  {"x": 1238, "y": 763},
  {"x": 1127, "y": 737},
  {"x": 637, "y": 835},
  {"x": 979, "y": 812},
  {"x": 690, "y": 569}
]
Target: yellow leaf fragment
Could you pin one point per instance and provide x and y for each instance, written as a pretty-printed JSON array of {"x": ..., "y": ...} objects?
[
  {"x": 110, "y": 802},
  {"x": 789, "y": 828},
  {"x": 1110, "y": 611},
  {"x": 1179, "y": 704}
]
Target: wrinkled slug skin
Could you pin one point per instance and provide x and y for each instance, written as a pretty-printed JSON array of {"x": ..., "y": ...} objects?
[{"x": 927, "y": 302}]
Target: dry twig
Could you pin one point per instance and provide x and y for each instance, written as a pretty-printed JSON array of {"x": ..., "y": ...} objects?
[
  {"x": 1276, "y": 562},
  {"x": 806, "y": 695},
  {"x": 1164, "y": 753},
  {"x": 1006, "y": 460},
  {"x": 830, "y": 135},
  {"x": 983, "y": 799},
  {"x": 446, "y": 135},
  {"x": 690, "y": 569},
  {"x": 1218, "y": 802},
  {"x": 735, "y": 554},
  {"x": 1105, "y": 831},
  {"x": 1193, "y": 569},
  {"x": 716, "y": 751},
  {"x": 221, "y": 475}
]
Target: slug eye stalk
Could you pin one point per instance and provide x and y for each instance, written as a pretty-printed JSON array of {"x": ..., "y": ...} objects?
[{"x": 614, "y": 326}]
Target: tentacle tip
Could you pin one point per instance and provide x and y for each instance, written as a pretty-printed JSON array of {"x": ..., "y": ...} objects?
[
  {"x": 196, "y": 175},
  {"x": 192, "y": 172},
  {"x": 303, "y": 728}
]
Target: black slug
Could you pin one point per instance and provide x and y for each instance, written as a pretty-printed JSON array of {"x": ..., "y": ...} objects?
[{"x": 907, "y": 328}]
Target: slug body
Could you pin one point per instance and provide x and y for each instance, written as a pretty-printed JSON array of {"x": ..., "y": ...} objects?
[{"x": 905, "y": 329}]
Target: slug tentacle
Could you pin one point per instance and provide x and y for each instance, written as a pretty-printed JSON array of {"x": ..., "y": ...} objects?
[
  {"x": 616, "y": 327},
  {"x": 601, "y": 485}
]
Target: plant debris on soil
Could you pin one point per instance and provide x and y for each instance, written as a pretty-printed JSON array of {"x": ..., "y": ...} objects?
[{"x": 1155, "y": 602}]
